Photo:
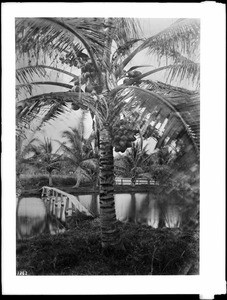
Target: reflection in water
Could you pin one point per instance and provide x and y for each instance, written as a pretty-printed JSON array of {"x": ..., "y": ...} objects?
[
  {"x": 170, "y": 217},
  {"x": 34, "y": 217},
  {"x": 153, "y": 212},
  {"x": 141, "y": 208},
  {"x": 122, "y": 207}
]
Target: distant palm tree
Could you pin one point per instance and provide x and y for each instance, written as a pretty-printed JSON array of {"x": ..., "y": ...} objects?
[
  {"x": 134, "y": 163},
  {"x": 46, "y": 158},
  {"x": 80, "y": 155}
]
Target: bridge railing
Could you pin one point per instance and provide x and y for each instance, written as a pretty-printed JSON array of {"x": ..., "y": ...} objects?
[
  {"x": 139, "y": 181},
  {"x": 61, "y": 204}
]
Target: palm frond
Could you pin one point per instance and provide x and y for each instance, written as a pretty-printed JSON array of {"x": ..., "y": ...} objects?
[
  {"x": 137, "y": 67},
  {"x": 179, "y": 39},
  {"x": 126, "y": 30},
  {"x": 53, "y": 112},
  {"x": 74, "y": 139},
  {"x": 140, "y": 102},
  {"x": 34, "y": 35},
  {"x": 82, "y": 174},
  {"x": 182, "y": 69},
  {"x": 183, "y": 36},
  {"x": 186, "y": 69},
  {"x": 90, "y": 163},
  {"x": 32, "y": 105},
  {"x": 27, "y": 74},
  {"x": 27, "y": 87}
]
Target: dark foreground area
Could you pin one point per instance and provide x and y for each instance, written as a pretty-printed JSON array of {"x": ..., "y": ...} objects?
[{"x": 78, "y": 251}]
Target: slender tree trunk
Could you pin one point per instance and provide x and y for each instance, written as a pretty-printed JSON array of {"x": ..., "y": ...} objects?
[
  {"x": 110, "y": 234},
  {"x": 50, "y": 179}
]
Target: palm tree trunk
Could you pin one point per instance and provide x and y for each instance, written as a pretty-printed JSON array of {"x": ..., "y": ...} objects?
[
  {"x": 110, "y": 234},
  {"x": 50, "y": 179}
]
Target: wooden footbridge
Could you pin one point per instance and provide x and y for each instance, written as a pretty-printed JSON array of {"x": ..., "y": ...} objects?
[{"x": 61, "y": 204}]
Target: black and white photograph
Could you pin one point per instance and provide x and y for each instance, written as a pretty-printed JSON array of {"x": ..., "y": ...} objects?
[{"x": 107, "y": 146}]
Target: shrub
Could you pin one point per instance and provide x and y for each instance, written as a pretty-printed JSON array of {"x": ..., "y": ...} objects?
[{"x": 37, "y": 181}]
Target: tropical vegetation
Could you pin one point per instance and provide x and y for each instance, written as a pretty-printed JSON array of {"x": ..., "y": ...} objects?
[
  {"x": 94, "y": 53},
  {"x": 45, "y": 158},
  {"x": 80, "y": 156},
  {"x": 135, "y": 163}
]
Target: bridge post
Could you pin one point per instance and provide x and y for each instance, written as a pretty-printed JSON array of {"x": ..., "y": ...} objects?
[
  {"x": 67, "y": 205},
  {"x": 59, "y": 206},
  {"x": 62, "y": 213},
  {"x": 53, "y": 203}
]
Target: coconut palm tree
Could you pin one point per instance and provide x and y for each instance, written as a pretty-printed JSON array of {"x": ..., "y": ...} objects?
[
  {"x": 79, "y": 154},
  {"x": 98, "y": 51},
  {"x": 46, "y": 158},
  {"x": 134, "y": 163}
]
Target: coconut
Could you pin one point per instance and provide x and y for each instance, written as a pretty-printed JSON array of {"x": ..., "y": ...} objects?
[
  {"x": 74, "y": 106},
  {"x": 136, "y": 73},
  {"x": 117, "y": 138},
  {"x": 88, "y": 66},
  {"x": 122, "y": 143},
  {"x": 87, "y": 74},
  {"x": 130, "y": 74},
  {"x": 126, "y": 81},
  {"x": 89, "y": 88},
  {"x": 124, "y": 138}
]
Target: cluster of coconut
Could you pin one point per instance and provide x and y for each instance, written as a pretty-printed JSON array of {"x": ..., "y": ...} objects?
[
  {"x": 87, "y": 78},
  {"x": 132, "y": 75},
  {"x": 123, "y": 134}
]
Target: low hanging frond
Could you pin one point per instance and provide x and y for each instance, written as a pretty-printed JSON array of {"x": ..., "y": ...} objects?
[
  {"x": 27, "y": 87},
  {"x": 54, "y": 111},
  {"x": 28, "y": 74},
  {"x": 149, "y": 107},
  {"x": 34, "y": 104}
]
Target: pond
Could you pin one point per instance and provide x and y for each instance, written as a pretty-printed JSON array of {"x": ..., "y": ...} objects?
[{"x": 33, "y": 216}]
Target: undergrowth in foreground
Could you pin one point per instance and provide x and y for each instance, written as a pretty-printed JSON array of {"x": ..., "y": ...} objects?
[{"x": 78, "y": 251}]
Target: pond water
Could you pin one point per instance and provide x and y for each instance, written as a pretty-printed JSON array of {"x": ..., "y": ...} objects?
[{"x": 33, "y": 216}]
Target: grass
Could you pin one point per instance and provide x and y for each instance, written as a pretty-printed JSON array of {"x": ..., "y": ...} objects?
[{"x": 78, "y": 251}]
